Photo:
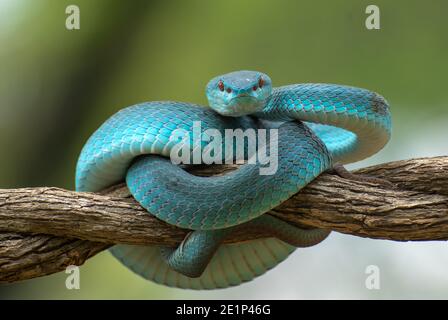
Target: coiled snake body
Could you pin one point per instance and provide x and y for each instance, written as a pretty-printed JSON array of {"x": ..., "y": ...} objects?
[{"x": 318, "y": 125}]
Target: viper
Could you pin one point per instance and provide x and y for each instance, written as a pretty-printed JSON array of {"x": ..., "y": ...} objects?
[{"x": 317, "y": 126}]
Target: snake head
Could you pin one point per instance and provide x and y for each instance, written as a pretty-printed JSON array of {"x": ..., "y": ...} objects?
[{"x": 239, "y": 93}]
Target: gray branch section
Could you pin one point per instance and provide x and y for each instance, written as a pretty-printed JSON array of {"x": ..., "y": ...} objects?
[{"x": 43, "y": 230}]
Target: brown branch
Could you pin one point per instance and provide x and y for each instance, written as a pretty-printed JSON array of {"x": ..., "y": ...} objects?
[{"x": 43, "y": 230}]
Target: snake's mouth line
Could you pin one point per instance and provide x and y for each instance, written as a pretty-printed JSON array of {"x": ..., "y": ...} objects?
[
  {"x": 242, "y": 105},
  {"x": 242, "y": 95},
  {"x": 245, "y": 98}
]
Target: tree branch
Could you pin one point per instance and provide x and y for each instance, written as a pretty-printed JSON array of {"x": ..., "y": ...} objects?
[{"x": 43, "y": 230}]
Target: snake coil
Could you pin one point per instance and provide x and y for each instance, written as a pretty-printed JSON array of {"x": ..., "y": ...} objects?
[{"x": 317, "y": 125}]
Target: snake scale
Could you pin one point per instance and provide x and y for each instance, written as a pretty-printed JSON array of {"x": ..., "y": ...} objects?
[{"x": 317, "y": 126}]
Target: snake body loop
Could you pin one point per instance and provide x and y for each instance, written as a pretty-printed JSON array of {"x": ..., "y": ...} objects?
[{"x": 319, "y": 125}]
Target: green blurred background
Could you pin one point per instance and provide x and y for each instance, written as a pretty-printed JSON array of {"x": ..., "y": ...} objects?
[{"x": 57, "y": 86}]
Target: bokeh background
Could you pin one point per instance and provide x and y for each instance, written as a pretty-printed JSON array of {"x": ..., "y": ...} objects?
[{"x": 57, "y": 86}]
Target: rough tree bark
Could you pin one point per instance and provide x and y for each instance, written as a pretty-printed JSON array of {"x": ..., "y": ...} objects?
[{"x": 43, "y": 230}]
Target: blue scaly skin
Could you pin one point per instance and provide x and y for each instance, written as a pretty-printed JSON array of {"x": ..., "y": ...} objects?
[{"x": 320, "y": 124}]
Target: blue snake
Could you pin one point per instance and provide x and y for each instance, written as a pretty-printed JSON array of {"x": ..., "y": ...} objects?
[{"x": 316, "y": 126}]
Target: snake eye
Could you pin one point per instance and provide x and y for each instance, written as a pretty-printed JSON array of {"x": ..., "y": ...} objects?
[
  {"x": 221, "y": 85},
  {"x": 229, "y": 90},
  {"x": 261, "y": 82},
  {"x": 254, "y": 88}
]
